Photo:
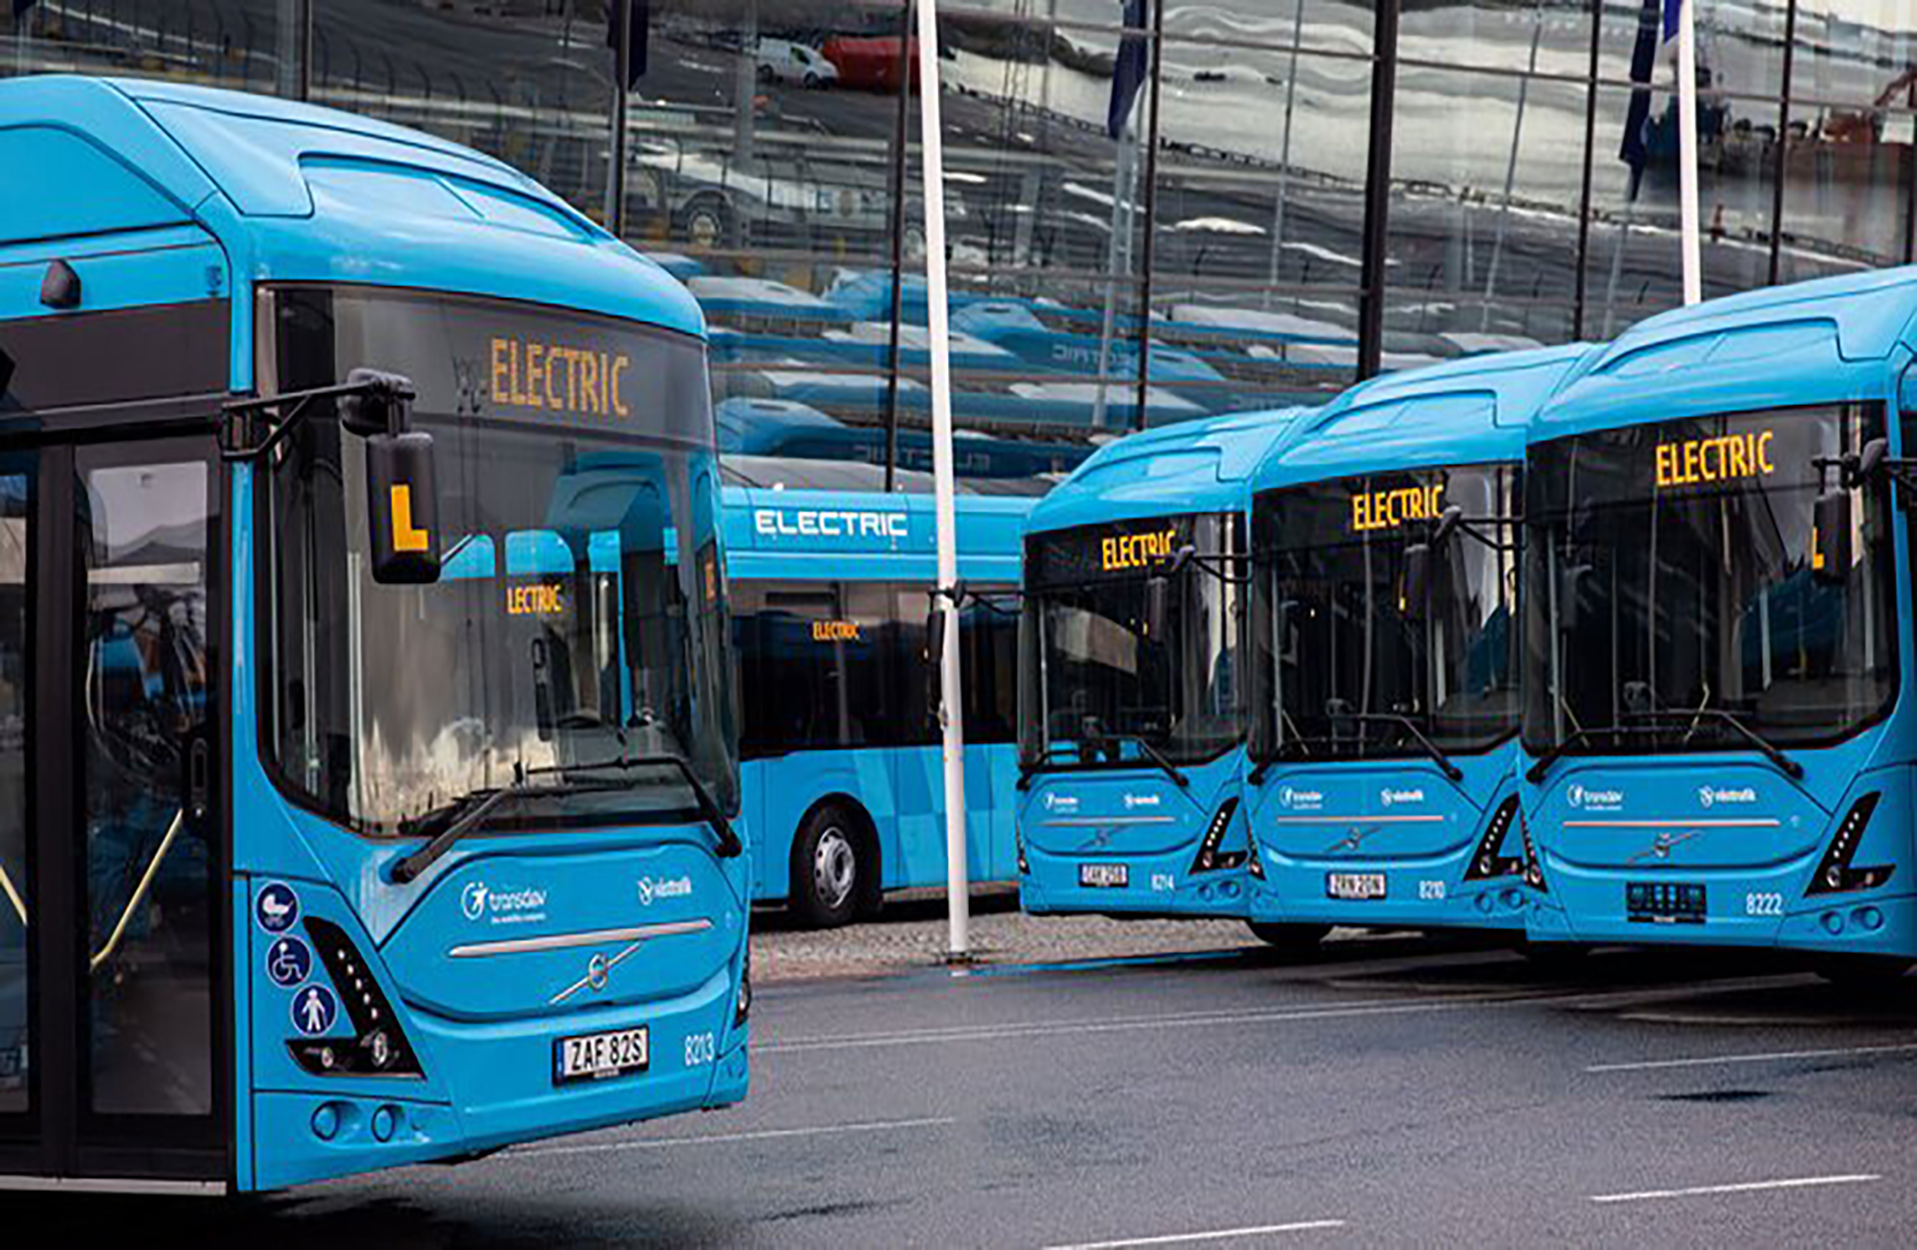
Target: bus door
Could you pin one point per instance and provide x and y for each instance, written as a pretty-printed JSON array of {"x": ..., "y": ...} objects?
[{"x": 112, "y": 977}]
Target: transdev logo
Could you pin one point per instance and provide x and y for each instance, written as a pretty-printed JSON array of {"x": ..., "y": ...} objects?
[
  {"x": 516, "y": 906},
  {"x": 1711, "y": 796},
  {"x": 1585, "y": 797},
  {"x": 1391, "y": 798},
  {"x": 1292, "y": 796},
  {"x": 1054, "y": 801},
  {"x": 1141, "y": 800},
  {"x": 651, "y": 888}
]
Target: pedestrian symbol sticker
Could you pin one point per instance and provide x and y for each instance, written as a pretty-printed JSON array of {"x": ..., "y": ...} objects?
[
  {"x": 289, "y": 962},
  {"x": 314, "y": 1010},
  {"x": 277, "y": 907}
]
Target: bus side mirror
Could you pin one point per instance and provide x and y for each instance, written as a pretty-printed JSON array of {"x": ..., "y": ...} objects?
[
  {"x": 1830, "y": 536},
  {"x": 1870, "y": 460},
  {"x": 1414, "y": 595},
  {"x": 935, "y": 635},
  {"x": 1157, "y": 607},
  {"x": 379, "y": 407},
  {"x": 402, "y": 503}
]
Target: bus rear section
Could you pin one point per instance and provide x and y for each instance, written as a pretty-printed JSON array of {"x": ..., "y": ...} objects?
[
  {"x": 1132, "y": 677},
  {"x": 386, "y": 625},
  {"x": 842, "y": 777},
  {"x": 1717, "y": 746},
  {"x": 1384, "y": 623}
]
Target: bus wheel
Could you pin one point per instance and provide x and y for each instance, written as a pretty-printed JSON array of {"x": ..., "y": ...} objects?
[
  {"x": 826, "y": 867},
  {"x": 1296, "y": 939},
  {"x": 1861, "y": 972}
]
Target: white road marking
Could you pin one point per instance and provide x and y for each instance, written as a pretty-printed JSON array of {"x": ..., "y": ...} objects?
[
  {"x": 1118, "y": 1024},
  {"x": 1222, "y": 1234},
  {"x": 770, "y": 1134},
  {"x": 1775, "y": 1056},
  {"x": 1742, "y": 1187}
]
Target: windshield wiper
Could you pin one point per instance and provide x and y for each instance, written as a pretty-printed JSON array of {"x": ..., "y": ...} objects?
[
  {"x": 470, "y": 812},
  {"x": 1559, "y": 750},
  {"x": 1027, "y": 770},
  {"x": 1410, "y": 726},
  {"x": 729, "y": 845},
  {"x": 1723, "y": 716}
]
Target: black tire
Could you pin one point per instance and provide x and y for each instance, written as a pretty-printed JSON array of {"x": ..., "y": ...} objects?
[
  {"x": 705, "y": 222},
  {"x": 811, "y": 81},
  {"x": 1863, "y": 972},
  {"x": 1294, "y": 939},
  {"x": 831, "y": 868}
]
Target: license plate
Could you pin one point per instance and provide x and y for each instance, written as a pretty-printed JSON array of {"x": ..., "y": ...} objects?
[
  {"x": 1105, "y": 876},
  {"x": 596, "y": 1056},
  {"x": 1355, "y": 885},
  {"x": 1664, "y": 902}
]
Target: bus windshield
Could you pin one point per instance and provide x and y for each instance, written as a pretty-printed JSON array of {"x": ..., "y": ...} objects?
[
  {"x": 1676, "y": 604},
  {"x": 577, "y": 626},
  {"x": 1359, "y": 672},
  {"x": 1104, "y": 691}
]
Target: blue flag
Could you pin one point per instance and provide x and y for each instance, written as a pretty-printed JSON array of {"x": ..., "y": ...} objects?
[
  {"x": 1128, "y": 69},
  {"x": 1652, "y": 34}
]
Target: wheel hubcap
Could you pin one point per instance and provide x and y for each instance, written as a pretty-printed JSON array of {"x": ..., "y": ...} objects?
[{"x": 834, "y": 868}]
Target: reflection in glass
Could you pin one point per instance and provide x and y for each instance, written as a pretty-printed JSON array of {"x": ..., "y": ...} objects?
[
  {"x": 1330, "y": 605},
  {"x": 1487, "y": 179},
  {"x": 144, "y": 540},
  {"x": 1677, "y": 589},
  {"x": 247, "y": 45},
  {"x": 16, "y": 896},
  {"x": 529, "y": 84},
  {"x": 1104, "y": 689},
  {"x": 576, "y": 628}
]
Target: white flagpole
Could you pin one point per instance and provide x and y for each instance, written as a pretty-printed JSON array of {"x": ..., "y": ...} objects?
[
  {"x": 1687, "y": 148},
  {"x": 951, "y": 719}
]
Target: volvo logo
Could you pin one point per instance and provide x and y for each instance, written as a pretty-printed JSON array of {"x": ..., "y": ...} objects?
[
  {"x": 1661, "y": 849},
  {"x": 1100, "y": 839},
  {"x": 597, "y": 971}
]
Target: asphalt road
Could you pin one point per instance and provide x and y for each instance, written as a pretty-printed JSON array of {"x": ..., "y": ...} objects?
[{"x": 1398, "y": 1091}]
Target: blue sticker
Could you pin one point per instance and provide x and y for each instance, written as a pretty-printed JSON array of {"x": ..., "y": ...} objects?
[
  {"x": 314, "y": 1010},
  {"x": 289, "y": 961},
  {"x": 277, "y": 907}
]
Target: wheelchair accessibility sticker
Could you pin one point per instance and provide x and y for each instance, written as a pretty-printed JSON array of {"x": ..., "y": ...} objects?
[
  {"x": 289, "y": 962},
  {"x": 314, "y": 1010}
]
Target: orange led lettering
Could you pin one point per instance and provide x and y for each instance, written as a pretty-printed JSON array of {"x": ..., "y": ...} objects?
[
  {"x": 538, "y": 599},
  {"x": 835, "y": 631},
  {"x": 1136, "y": 551},
  {"x": 1390, "y": 509},
  {"x": 617, "y": 386},
  {"x": 552, "y": 377},
  {"x": 1727, "y": 457}
]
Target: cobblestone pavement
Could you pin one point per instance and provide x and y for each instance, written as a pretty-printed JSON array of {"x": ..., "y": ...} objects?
[{"x": 910, "y": 934}]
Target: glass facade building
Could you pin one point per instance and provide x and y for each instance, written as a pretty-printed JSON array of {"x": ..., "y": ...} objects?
[{"x": 1157, "y": 209}]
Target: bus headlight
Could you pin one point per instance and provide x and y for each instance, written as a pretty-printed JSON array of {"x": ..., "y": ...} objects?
[
  {"x": 1209, "y": 856},
  {"x": 1533, "y": 866},
  {"x": 1834, "y": 874},
  {"x": 1486, "y": 863},
  {"x": 742, "y": 1010}
]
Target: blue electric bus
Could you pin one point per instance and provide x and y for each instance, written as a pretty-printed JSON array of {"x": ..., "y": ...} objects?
[
  {"x": 1385, "y": 654},
  {"x": 1719, "y": 719},
  {"x": 839, "y": 730},
  {"x": 366, "y": 720},
  {"x": 1132, "y": 675}
]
